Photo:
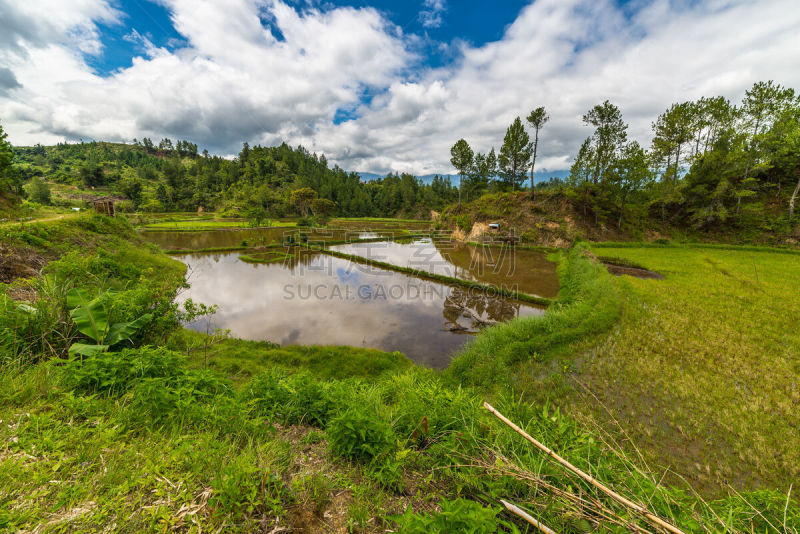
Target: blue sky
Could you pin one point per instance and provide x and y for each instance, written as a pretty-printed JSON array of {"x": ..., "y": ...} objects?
[
  {"x": 376, "y": 86},
  {"x": 437, "y": 23}
]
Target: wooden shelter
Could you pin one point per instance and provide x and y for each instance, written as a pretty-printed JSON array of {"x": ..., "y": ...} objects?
[{"x": 104, "y": 205}]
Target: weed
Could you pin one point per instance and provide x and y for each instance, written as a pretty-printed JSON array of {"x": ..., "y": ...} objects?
[
  {"x": 459, "y": 515},
  {"x": 359, "y": 435}
]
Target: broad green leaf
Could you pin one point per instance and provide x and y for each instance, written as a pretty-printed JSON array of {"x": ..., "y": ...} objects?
[
  {"x": 27, "y": 308},
  {"x": 86, "y": 350},
  {"x": 122, "y": 331},
  {"x": 89, "y": 315}
]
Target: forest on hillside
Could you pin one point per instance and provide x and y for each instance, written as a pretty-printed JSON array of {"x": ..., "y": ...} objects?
[
  {"x": 259, "y": 182},
  {"x": 711, "y": 164}
]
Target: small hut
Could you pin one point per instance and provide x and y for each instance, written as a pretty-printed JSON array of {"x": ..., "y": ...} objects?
[{"x": 103, "y": 206}]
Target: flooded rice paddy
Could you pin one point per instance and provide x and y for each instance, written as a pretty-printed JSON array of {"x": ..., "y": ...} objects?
[
  {"x": 507, "y": 267},
  {"x": 314, "y": 298}
]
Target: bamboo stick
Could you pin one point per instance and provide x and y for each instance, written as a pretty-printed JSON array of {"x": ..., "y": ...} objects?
[
  {"x": 585, "y": 476},
  {"x": 516, "y": 510}
]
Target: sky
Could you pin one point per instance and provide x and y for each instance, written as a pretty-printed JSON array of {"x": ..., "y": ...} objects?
[{"x": 375, "y": 85}]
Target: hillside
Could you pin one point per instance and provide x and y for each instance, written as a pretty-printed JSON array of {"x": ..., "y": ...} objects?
[
  {"x": 556, "y": 219},
  {"x": 175, "y": 177}
]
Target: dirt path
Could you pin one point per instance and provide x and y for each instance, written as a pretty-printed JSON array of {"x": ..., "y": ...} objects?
[{"x": 45, "y": 219}]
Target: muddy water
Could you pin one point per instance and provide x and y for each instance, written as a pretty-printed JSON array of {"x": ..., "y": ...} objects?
[
  {"x": 171, "y": 240},
  {"x": 507, "y": 266},
  {"x": 319, "y": 299}
]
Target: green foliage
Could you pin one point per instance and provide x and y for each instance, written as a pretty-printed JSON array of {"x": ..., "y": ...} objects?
[
  {"x": 358, "y": 434},
  {"x": 178, "y": 399},
  {"x": 114, "y": 373},
  {"x": 170, "y": 177},
  {"x": 464, "y": 223},
  {"x": 515, "y": 155},
  {"x": 291, "y": 399},
  {"x": 39, "y": 191},
  {"x": 459, "y": 515},
  {"x": 243, "y": 488},
  {"x": 91, "y": 319}
]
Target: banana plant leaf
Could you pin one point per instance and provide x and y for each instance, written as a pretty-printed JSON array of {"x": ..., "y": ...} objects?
[
  {"x": 86, "y": 350},
  {"x": 122, "y": 331},
  {"x": 89, "y": 315},
  {"x": 27, "y": 308}
]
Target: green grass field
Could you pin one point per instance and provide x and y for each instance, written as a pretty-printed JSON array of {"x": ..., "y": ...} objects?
[
  {"x": 702, "y": 368},
  {"x": 176, "y": 430}
]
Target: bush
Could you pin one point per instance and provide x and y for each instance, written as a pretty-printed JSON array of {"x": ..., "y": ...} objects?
[
  {"x": 359, "y": 435},
  {"x": 291, "y": 399},
  {"x": 181, "y": 398},
  {"x": 242, "y": 487},
  {"x": 464, "y": 222},
  {"x": 460, "y": 515},
  {"x": 424, "y": 409},
  {"x": 115, "y": 372}
]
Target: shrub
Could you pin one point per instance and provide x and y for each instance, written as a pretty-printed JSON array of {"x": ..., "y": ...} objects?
[
  {"x": 424, "y": 408},
  {"x": 387, "y": 470},
  {"x": 242, "y": 487},
  {"x": 115, "y": 372},
  {"x": 181, "y": 398},
  {"x": 292, "y": 399},
  {"x": 359, "y": 435},
  {"x": 460, "y": 515},
  {"x": 464, "y": 222}
]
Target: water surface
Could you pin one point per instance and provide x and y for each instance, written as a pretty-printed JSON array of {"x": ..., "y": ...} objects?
[
  {"x": 319, "y": 299},
  {"x": 252, "y": 237},
  {"x": 502, "y": 266}
]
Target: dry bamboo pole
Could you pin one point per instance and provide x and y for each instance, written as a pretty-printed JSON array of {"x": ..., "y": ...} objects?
[
  {"x": 585, "y": 476},
  {"x": 516, "y": 510}
]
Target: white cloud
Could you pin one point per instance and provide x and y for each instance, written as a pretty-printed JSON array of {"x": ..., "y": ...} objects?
[
  {"x": 431, "y": 14},
  {"x": 235, "y": 80},
  {"x": 568, "y": 55}
]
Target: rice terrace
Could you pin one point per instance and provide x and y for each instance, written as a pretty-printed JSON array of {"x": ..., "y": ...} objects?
[{"x": 414, "y": 267}]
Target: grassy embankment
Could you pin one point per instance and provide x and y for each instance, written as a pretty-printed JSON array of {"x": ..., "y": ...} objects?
[{"x": 241, "y": 435}]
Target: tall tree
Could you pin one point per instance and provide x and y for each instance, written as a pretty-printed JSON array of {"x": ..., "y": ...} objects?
[
  {"x": 484, "y": 168},
  {"x": 537, "y": 119},
  {"x": 762, "y": 104},
  {"x": 672, "y": 131},
  {"x": 461, "y": 158},
  {"x": 609, "y": 136},
  {"x": 515, "y": 154},
  {"x": 629, "y": 175},
  {"x": 302, "y": 199}
]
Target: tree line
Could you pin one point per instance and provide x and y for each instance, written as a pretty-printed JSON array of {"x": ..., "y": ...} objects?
[
  {"x": 260, "y": 180},
  {"x": 710, "y": 162}
]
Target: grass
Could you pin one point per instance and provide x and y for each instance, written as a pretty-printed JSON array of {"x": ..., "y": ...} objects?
[
  {"x": 378, "y": 219},
  {"x": 195, "y": 225},
  {"x": 702, "y": 369},
  {"x": 493, "y": 290},
  {"x": 510, "y": 354},
  {"x": 265, "y": 257},
  {"x": 209, "y": 433},
  {"x": 241, "y": 359}
]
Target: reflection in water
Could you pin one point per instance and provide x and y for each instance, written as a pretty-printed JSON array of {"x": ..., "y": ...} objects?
[
  {"x": 317, "y": 299},
  {"x": 502, "y": 266},
  {"x": 170, "y": 240}
]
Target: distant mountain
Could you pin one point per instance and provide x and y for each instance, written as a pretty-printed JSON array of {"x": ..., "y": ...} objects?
[{"x": 538, "y": 176}]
